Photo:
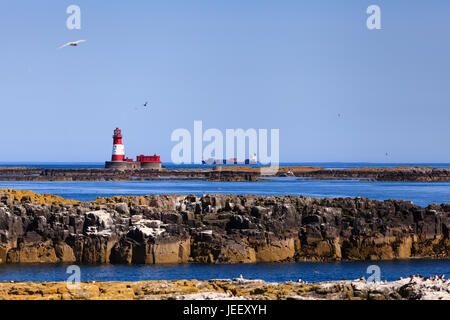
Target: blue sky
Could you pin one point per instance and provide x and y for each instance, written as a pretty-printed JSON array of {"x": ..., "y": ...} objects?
[{"x": 291, "y": 65}]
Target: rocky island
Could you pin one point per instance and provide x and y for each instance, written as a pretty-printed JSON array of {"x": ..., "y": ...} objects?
[
  {"x": 225, "y": 173},
  {"x": 160, "y": 229}
]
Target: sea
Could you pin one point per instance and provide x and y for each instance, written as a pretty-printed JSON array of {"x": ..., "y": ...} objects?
[
  {"x": 421, "y": 193},
  {"x": 271, "y": 272}
]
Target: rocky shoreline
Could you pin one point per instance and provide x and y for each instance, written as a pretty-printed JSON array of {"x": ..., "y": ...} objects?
[
  {"x": 159, "y": 229},
  {"x": 412, "y": 288},
  {"x": 220, "y": 173}
]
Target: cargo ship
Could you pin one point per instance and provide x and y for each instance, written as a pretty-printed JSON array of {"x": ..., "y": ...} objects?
[{"x": 253, "y": 160}]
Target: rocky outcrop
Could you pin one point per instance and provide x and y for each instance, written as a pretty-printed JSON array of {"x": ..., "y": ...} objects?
[
  {"x": 159, "y": 229},
  {"x": 412, "y": 288},
  {"x": 428, "y": 174},
  {"x": 228, "y": 173}
]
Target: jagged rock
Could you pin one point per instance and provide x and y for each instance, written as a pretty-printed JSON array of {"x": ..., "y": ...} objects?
[
  {"x": 217, "y": 229},
  {"x": 171, "y": 217},
  {"x": 122, "y": 208}
]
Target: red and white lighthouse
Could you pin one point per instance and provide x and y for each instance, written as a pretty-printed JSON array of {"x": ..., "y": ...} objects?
[
  {"x": 119, "y": 162},
  {"x": 118, "y": 152}
]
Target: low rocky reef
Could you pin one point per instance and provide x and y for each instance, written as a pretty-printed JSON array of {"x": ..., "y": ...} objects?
[
  {"x": 226, "y": 173},
  {"x": 171, "y": 229},
  {"x": 412, "y": 288},
  {"x": 424, "y": 174}
]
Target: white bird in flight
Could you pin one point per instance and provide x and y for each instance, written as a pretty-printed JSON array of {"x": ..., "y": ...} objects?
[{"x": 72, "y": 43}]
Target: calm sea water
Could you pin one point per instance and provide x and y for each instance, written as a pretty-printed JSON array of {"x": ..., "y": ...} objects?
[
  {"x": 421, "y": 193},
  {"x": 390, "y": 270}
]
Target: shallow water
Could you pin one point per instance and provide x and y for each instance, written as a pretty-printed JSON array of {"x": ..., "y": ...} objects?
[
  {"x": 390, "y": 270},
  {"x": 421, "y": 193}
]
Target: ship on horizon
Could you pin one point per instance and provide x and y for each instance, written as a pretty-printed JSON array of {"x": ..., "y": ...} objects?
[{"x": 253, "y": 160}]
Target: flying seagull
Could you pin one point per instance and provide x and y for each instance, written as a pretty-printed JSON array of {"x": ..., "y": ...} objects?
[{"x": 72, "y": 43}]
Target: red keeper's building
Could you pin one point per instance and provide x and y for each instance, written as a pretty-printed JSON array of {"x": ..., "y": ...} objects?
[{"x": 118, "y": 160}]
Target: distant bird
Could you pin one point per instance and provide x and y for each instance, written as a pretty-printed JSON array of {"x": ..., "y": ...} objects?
[
  {"x": 339, "y": 115},
  {"x": 72, "y": 43},
  {"x": 387, "y": 154},
  {"x": 241, "y": 276},
  {"x": 144, "y": 105},
  {"x": 315, "y": 271}
]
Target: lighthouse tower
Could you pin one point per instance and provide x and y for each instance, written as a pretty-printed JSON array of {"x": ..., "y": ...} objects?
[{"x": 118, "y": 153}]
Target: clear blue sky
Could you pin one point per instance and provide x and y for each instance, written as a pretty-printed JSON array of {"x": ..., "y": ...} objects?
[{"x": 290, "y": 64}]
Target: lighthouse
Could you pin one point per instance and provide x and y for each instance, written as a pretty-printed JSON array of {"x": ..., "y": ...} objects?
[
  {"x": 118, "y": 152},
  {"x": 118, "y": 160}
]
